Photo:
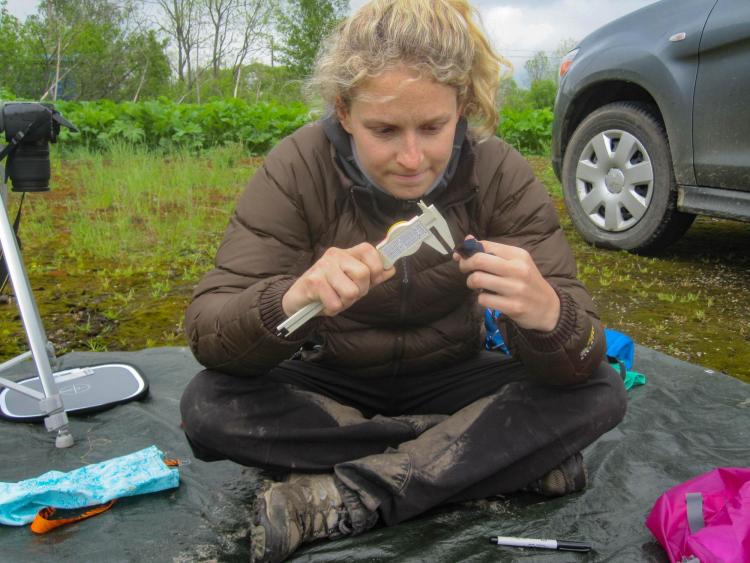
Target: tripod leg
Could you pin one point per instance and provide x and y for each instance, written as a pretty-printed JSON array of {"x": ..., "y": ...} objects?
[{"x": 52, "y": 404}]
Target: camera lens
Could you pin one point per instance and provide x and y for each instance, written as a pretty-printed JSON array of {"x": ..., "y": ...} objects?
[{"x": 29, "y": 169}]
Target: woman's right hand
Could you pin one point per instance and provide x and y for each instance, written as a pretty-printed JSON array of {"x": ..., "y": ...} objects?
[{"x": 340, "y": 278}]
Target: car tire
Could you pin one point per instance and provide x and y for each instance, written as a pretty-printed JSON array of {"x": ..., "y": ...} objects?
[{"x": 627, "y": 198}]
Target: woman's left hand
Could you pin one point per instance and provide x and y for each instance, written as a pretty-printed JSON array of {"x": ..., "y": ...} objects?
[{"x": 510, "y": 282}]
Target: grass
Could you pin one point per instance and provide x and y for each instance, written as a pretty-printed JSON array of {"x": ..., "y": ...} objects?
[
  {"x": 115, "y": 248},
  {"x": 691, "y": 302}
]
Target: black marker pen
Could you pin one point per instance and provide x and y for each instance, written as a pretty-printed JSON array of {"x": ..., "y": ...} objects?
[{"x": 560, "y": 545}]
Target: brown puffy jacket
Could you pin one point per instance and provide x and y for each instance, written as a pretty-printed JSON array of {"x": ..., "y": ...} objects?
[{"x": 301, "y": 202}]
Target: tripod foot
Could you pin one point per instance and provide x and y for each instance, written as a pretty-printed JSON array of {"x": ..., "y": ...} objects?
[{"x": 64, "y": 438}]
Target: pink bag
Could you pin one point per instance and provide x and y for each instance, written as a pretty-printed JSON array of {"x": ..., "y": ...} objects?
[{"x": 707, "y": 517}]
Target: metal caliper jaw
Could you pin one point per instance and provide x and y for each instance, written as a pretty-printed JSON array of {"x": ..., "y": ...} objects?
[{"x": 406, "y": 237}]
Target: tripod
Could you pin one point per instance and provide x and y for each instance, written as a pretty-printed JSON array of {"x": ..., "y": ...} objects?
[
  {"x": 29, "y": 128},
  {"x": 50, "y": 400}
]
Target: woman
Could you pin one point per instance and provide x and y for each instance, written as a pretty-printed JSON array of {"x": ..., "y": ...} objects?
[{"x": 389, "y": 406}]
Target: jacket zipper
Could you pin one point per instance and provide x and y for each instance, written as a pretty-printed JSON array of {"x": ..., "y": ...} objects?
[{"x": 404, "y": 293}]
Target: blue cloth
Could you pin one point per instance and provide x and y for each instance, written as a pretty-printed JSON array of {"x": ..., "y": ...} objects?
[
  {"x": 134, "y": 474},
  {"x": 621, "y": 354},
  {"x": 620, "y": 347},
  {"x": 493, "y": 339}
]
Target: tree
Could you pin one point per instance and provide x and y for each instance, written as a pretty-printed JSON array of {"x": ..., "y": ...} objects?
[
  {"x": 151, "y": 71},
  {"x": 212, "y": 36},
  {"x": 302, "y": 25},
  {"x": 542, "y": 93},
  {"x": 56, "y": 26},
  {"x": 255, "y": 20},
  {"x": 511, "y": 95},
  {"x": 181, "y": 22},
  {"x": 267, "y": 83},
  {"x": 239, "y": 27},
  {"x": 90, "y": 49},
  {"x": 219, "y": 13},
  {"x": 13, "y": 53},
  {"x": 538, "y": 66}
]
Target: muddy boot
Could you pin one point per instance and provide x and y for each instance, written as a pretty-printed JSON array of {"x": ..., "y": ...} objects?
[
  {"x": 568, "y": 477},
  {"x": 301, "y": 510}
]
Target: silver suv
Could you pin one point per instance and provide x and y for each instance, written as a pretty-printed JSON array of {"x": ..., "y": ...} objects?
[{"x": 652, "y": 123}]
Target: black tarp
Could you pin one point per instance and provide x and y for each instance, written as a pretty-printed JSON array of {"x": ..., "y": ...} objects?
[{"x": 684, "y": 421}]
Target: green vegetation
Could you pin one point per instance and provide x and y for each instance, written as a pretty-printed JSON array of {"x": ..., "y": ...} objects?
[
  {"x": 529, "y": 129},
  {"x": 526, "y": 115},
  {"x": 81, "y": 49},
  {"x": 163, "y": 125},
  {"x": 115, "y": 248},
  {"x": 184, "y": 50},
  {"x": 272, "y": 84},
  {"x": 304, "y": 24},
  {"x": 691, "y": 303}
]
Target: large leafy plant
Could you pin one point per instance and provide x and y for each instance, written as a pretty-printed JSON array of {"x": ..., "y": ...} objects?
[{"x": 166, "y": 125}]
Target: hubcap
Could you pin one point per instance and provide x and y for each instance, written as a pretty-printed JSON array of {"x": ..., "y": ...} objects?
[{"x": 614, "y": 180}]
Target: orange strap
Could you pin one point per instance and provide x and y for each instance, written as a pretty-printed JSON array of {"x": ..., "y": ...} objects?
[{"x": 43, "y": 521}]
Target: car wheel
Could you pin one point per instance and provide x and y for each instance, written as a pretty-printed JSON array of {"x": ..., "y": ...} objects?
[{"x": 618, "y": 181}]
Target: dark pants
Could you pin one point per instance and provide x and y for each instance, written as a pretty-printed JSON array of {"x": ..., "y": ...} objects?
[{"x": 406, "y": 443}]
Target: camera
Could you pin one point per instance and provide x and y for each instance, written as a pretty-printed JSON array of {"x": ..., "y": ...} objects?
[{"x": 29, "y": 128}]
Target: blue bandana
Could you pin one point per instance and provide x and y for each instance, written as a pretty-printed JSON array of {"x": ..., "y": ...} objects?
[{"x": 134, "y": 474}]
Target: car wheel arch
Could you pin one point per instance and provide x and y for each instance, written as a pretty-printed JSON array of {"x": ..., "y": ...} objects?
[
  {"x": 606, "y": 91},
  {"x": 600, "y": 94},
  {"x": 662, "y": 223}
]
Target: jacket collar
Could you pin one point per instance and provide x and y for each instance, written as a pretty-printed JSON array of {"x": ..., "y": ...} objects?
[{"x": 458, "y": 184}]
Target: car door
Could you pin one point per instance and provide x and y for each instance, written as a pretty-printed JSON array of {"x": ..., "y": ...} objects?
[{"x": 721, "y": 108}]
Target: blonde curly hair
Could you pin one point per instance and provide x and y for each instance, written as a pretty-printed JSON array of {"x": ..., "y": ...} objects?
[{"x": 437, "y": 38}]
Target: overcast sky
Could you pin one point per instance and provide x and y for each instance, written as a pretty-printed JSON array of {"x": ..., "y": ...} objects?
[
  {"x": 22, "y": 8},
  {"x": 517, "y": 28}
]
